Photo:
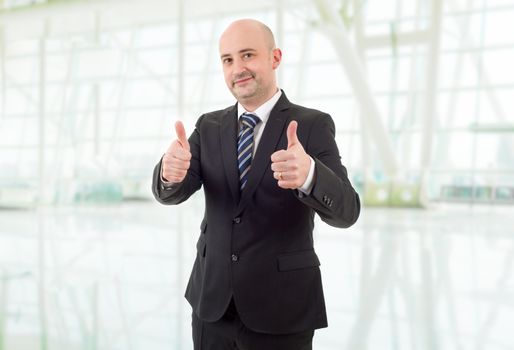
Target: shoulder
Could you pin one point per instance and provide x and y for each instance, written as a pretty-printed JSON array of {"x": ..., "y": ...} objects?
[
  {"x": 306, "y": 110},
  {"x": 311, "y": 121},
  {"x": 311, "y": 115},
  {"x": 214, "y": 117}
]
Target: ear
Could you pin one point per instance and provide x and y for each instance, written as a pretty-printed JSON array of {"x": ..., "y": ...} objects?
[{"x": 277, "y": 57}]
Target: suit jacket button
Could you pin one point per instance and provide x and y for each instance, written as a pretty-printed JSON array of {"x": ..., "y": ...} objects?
[
  {"x": 237, "y": 220},
  {"x": 235, "y": 258}
]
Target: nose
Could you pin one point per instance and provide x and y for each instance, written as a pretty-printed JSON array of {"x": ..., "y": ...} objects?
[{"x": 239, "y": 66}]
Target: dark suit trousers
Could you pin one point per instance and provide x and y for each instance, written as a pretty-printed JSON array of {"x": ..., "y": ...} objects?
[{"x": 229, "y": 333}]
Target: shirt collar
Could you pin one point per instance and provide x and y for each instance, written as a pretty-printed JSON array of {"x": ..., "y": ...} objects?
[{"x": 264, "y": 110}]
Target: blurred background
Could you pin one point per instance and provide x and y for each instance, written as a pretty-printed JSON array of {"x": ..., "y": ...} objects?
[{"x": 422, "y": 94}]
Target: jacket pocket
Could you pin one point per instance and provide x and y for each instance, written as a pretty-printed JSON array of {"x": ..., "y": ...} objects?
[{"x": 299, "y": 260}]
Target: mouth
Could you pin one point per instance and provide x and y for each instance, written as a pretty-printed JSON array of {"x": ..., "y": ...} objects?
[{"x": 242, "y": 80}]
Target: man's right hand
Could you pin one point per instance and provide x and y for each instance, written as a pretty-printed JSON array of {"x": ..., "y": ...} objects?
[{"x": 176, "y": 160}]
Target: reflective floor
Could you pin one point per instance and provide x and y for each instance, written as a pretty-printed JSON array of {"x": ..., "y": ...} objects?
[{"x": 112, "y": 277}]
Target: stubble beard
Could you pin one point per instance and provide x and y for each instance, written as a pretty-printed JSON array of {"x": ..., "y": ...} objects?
[{"x": 248, "y": 93}]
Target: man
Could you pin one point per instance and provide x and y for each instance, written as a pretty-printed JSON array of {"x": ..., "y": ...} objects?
[{"x": 266, "y": 166}]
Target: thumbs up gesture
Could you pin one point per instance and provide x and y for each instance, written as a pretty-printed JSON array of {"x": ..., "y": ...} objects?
[
  {"x": 291, "y": 166},
  {"x": 176, "y": 160}
]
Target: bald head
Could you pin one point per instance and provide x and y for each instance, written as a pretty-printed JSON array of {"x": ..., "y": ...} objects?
[
  {"x": 249, "y": 58},
  {"x": 253, "y": 30}
]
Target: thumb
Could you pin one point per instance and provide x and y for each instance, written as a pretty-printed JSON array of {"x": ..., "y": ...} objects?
[
  {"x": 292, "y": 138},
  {"x": 181, "y": 135}
]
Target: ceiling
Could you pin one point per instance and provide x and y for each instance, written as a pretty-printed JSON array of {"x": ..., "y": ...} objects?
[{"x": 63, "y": 16}]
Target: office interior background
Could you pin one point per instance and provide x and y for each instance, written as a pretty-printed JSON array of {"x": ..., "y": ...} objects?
[{"x": 422, "y": 95}]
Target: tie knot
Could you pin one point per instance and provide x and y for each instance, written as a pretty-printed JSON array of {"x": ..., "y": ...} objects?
[{"x": 250, "y": 120}]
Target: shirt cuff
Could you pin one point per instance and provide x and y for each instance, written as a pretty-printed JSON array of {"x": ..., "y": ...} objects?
[
  {"x": 164, "y": 181},
  {"x": 307, "y": 186}
]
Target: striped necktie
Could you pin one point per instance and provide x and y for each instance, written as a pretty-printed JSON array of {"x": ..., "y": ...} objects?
[{"x": 245, "y": 146}]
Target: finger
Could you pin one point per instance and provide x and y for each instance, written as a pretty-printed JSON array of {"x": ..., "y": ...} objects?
[
  {"x": 174, "y": 175},
  {"x": 170, "y": 161},
  {"x": 175, "y": 179},
  {"x": 279, "y": 175},
  {"x": 286, "y": 175},
  {"x": 180, "y": 165},
  {"x": 287, "y": 184},
  {"x": 279, "y": 166},
  {"x": 177, "y": 173},
  {"x": 182, "y": 154},
  {"x": 292, "y": 138},
  {"x": 276, "y": 156},
  {"x": 181, "y": 135},
  {"x": 282, "y": 156},
  {"x": 170, "y": 173}
]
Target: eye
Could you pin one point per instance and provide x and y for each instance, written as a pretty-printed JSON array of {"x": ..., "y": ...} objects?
[
  {"x": 247, "y": 55},
  {"x": 226, "y": 60}
]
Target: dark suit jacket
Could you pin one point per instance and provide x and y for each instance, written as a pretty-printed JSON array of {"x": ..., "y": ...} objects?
[{"x": 257, "y": 246}]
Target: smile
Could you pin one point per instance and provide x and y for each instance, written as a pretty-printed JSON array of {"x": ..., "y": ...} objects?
[{"x": 243, "y": 80}]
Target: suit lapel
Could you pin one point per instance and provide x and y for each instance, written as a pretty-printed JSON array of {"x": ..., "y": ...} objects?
[
  {"x": 267, "y": 145},
  {"x": 228, "y": 138}
]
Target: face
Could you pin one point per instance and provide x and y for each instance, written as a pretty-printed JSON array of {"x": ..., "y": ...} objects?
[{"x": 249, "y": 64}]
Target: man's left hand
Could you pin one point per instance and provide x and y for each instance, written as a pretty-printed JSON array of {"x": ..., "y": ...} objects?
[{"x": 291, "y": 166}]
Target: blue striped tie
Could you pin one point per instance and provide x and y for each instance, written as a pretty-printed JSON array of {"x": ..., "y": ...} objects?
[{"x": 245, "y": 146}]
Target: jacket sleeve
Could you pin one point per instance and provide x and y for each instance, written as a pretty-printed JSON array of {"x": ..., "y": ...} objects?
[
  {"x": 332, "y": 196},
  {"x": 178, "y": 193}
]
